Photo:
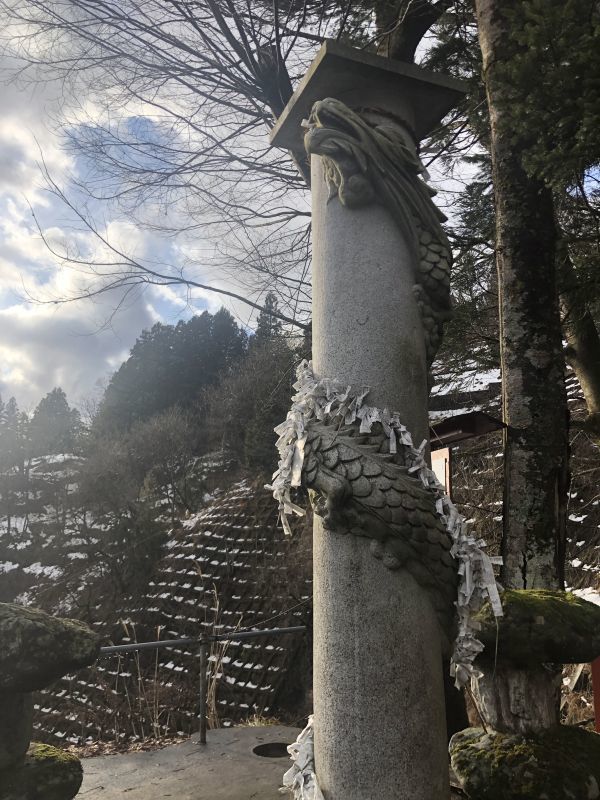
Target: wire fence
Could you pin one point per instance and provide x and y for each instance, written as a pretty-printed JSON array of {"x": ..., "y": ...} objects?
[{"x": 202, "y": 643}]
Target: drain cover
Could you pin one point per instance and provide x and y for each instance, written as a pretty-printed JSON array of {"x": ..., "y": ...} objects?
[{"x": 271, "y": 750}]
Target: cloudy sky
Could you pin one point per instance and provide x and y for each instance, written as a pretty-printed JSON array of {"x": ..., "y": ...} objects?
[{"x": 78, "y": 344}]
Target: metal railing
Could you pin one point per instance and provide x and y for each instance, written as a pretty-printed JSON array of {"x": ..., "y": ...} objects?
[{"x": 202, "y": 643}]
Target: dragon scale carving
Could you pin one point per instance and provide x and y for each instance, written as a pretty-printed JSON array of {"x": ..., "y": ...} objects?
[
  {"x": 358, "y": 487},
  {"x": 368, "y": 158}
]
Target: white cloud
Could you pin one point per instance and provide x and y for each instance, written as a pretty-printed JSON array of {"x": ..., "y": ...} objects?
[
  {"x": 43, "y": 345},
  {"x": 46, "y": 345}
]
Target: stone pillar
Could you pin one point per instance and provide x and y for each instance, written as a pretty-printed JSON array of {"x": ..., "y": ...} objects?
[
  {"x": 379, "y": 715},
  {"x": 378, "y": 691}
]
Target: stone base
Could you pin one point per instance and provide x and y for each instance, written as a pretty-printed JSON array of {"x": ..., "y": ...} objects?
[
  {"x": 524, "y": 701},
  {"x": 16, "y": 726},
  {"x": 46, "y": 773},
  {"x": 558, "y": 764}
]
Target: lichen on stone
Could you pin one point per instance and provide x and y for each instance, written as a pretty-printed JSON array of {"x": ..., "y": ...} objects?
[
  {"x": 541, "y": 626},
  {"x": 38, "y": 648},
  {"x": 46, "y": 773},
  {"x": 558, "y": 764}
]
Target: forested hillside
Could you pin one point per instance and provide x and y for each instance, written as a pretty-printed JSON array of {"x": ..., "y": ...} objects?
[
  {"x": 118, "y": 519},
  {"x": 88, "y": 504}
]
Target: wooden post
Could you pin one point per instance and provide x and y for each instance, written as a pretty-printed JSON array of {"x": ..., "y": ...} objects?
[
  {"x": 203, "y": 690},
  {"x": 596, "y": 690},
  {"x": 441, "y": 464}
]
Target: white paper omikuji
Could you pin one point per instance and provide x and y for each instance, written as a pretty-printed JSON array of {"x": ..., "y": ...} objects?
[
  {"x": 317, "y": 399},
  {"x": 300, "y": 779}
]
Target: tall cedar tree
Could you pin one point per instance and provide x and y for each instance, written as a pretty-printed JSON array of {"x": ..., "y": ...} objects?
[
  {"x": 268, "y": 324},
  {"x": 54, "y": 426},
  {"x": 170, "y": 365},
  {"x": 533, "y": 366},
  {"x": 559, "y": 55}
]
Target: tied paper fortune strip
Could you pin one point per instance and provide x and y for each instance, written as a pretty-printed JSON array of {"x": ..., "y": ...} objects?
[
  {"x": 300, "y": 779},
  {"x": 318, "y": 399}
]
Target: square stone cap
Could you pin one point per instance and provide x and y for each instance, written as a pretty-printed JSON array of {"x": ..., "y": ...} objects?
[{"x": 358, "y": 78}]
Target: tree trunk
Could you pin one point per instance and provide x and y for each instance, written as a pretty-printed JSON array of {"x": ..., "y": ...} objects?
[
  {"x": 533, "y": 388},
  {"x": 402, "y": 24},
  {"x": 534, "y": 396},
  {"x": 583, "y": 342}
]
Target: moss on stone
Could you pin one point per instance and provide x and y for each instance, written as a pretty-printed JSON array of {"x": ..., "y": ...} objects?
[
  {"x": 46, "y": 752},
  {"x": 46, "y": 773},
  {"x": 541, "y": 626},
  {"x": 558, "y": 764}
]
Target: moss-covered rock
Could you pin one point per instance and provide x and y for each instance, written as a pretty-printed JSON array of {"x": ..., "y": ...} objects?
[
  {"x": 559, "y": 764},
  {"x": 16, "y": 726},
  {"x": 45, "y": 774},
  {"x": 37, "y": 648},
  {"x": 541, "y": 626}
]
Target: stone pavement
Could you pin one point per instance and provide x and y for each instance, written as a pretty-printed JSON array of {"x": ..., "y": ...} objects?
[{"x": 223, "y": 769}]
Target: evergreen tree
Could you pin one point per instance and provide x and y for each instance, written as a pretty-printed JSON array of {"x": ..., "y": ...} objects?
[
  {"x": 554, "y": 47},
  {"x": 54, "y": 426},
  {"x": 229, "y": 343},
  {"x": 14, "y": 438},
  {"x": 170, "y": 365},
  {"x": 268, "y": 325},
  {"x": 471, "y": 337},
  {"x": 14, "y": 472}
]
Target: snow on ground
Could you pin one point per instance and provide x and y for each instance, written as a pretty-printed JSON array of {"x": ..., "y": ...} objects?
[
  {"x": 40, "y": 569},
  {"x": 471, "y": 380},
  {"x": 451, "y": 412},
  {"x": 591, "y": 595}
]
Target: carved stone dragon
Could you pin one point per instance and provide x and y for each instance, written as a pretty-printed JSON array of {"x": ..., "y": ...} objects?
[
  {"x": 358, "y": 487},
  {"x": 371, "y": 158}
]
